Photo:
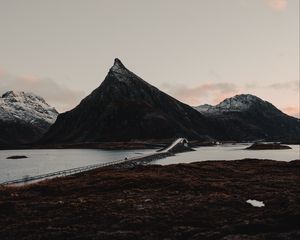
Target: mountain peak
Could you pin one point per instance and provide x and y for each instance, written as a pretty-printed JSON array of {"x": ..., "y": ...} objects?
[
  {"x": 118, "y": 72},
  {"x": 26, "y": 107},
  {"x": 246, "y": 97},
  {"x": 239, "y": 102},
  {"x": 12, "y": 94},
  {"x": 118, "y": 62},
  {"x": 118, "y": 66},
  {"x": 24, "y": 117},
  {"x": 21, "y": 96}
]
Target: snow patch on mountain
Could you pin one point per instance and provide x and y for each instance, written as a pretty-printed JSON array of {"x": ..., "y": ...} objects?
[
  {"x": 26, "y": 107},
  {"x": 238, "y": 103},
  {"x": 204, "y": 108}
]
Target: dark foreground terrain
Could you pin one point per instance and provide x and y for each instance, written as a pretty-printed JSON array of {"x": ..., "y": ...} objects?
[{"x": 204, "y": 200}]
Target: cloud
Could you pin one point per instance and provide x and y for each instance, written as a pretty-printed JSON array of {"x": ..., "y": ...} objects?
[
  {"x": 277, "y": 5},
  {"x": 207, "y": 92},
  {"x": 293, "y": 85},
  {"x": 2, "y": 72},
  {"x": 57, "y": 95},
  {"x": 292, "y": 111},
  {"x": 288, "y": 85}
]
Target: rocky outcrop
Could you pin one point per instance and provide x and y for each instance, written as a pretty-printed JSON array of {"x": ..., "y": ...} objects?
[{"x": 267, "y": 146}]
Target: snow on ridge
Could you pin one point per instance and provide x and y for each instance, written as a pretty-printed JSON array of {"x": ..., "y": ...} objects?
[
  {"x": 27, "y": 107},
  {"x": 204, "y": 107},
  {"x": 240, "y": 102}
]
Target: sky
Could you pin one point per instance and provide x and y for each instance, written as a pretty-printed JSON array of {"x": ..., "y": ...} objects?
[{"x": 199, "y": 51}]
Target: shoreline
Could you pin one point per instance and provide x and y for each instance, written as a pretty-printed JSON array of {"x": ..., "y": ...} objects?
[
  {"x": 133, "y": 161},
  {"x": 200, "y": 200},
  {"x": 177, "y": 146},
  {"x": 127, "y": 163},
  {"x": 157, "y": 144}
]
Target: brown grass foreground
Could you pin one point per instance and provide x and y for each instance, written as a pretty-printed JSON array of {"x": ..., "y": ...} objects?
[{"x": 205, "y": 200}]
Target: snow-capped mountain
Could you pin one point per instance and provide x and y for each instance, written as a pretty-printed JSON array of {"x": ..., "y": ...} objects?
[
  {"x": 27, "y": 107},
  {"x": 248, "y": 117},
  {"x": 238, "y": 103},
  {"x": 125, "y": 107},
  {"x": 24, "y": 117}
]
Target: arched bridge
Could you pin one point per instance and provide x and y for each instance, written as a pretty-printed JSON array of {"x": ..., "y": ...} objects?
[{"x": 130, "y": 162}]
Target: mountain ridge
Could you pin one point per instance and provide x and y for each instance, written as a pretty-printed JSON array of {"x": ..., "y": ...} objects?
[
  {"x": 127, "y": 108},
  {"x": 239, "y": 102},
  {"x": 131, "y": 109},
  {"x": 24, "y": 117},
  {"x": 251, "y": 117}
]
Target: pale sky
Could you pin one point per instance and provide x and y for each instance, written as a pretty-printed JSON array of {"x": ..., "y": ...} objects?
[{"x": 199, "y": 51}]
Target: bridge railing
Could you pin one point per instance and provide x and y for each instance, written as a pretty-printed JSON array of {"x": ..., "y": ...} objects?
[
  {"x": 90, "y": 167},
  {"x": 61, "y": 173}
]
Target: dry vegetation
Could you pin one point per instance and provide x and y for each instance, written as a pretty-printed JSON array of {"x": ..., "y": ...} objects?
[{"x": 204, "y": 200}]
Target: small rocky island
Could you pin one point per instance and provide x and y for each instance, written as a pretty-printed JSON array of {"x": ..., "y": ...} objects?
[
  {"x": 17, "y": 157},
  {"x": 267, "y": 146}
]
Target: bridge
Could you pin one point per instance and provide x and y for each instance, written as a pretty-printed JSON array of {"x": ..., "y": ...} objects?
[{"x": 130, "y": 162}]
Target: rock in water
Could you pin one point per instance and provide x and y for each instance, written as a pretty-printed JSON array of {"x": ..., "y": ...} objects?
[
  {"x": 16, "y": 157},
  {"x": 268, "y": 146}
]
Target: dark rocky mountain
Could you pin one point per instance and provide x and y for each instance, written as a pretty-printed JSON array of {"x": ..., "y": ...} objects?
[
  {"x": 247, "y": 117},
  {"x": 24, "y": 118},
  {"x": 125, "y": 107}
]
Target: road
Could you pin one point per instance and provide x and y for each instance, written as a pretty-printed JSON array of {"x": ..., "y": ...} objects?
[{"x": 144, "y": 159}]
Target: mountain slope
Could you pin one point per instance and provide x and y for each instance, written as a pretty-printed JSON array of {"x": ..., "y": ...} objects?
[
  {"x": 247, "y": 117},
  {"x": 125, "y": 107},
  {"x": 24, "y": 117}
]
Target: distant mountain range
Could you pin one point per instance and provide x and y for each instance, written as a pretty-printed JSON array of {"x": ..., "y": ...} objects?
[
  {"x": 247, "y": 117},
  {"x": 24, "y": 118},
  {"x": 125, "y": 107}
]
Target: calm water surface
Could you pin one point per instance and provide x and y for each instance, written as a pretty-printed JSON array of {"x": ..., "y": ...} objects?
[
  {"x": 51, "y": 160},
  {"x": 231, "y": 152}
]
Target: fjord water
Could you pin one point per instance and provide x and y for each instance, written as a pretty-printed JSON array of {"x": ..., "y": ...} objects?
[
  {"x": 231, "y": 152},
  {"x": 52, "y": 160}
]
